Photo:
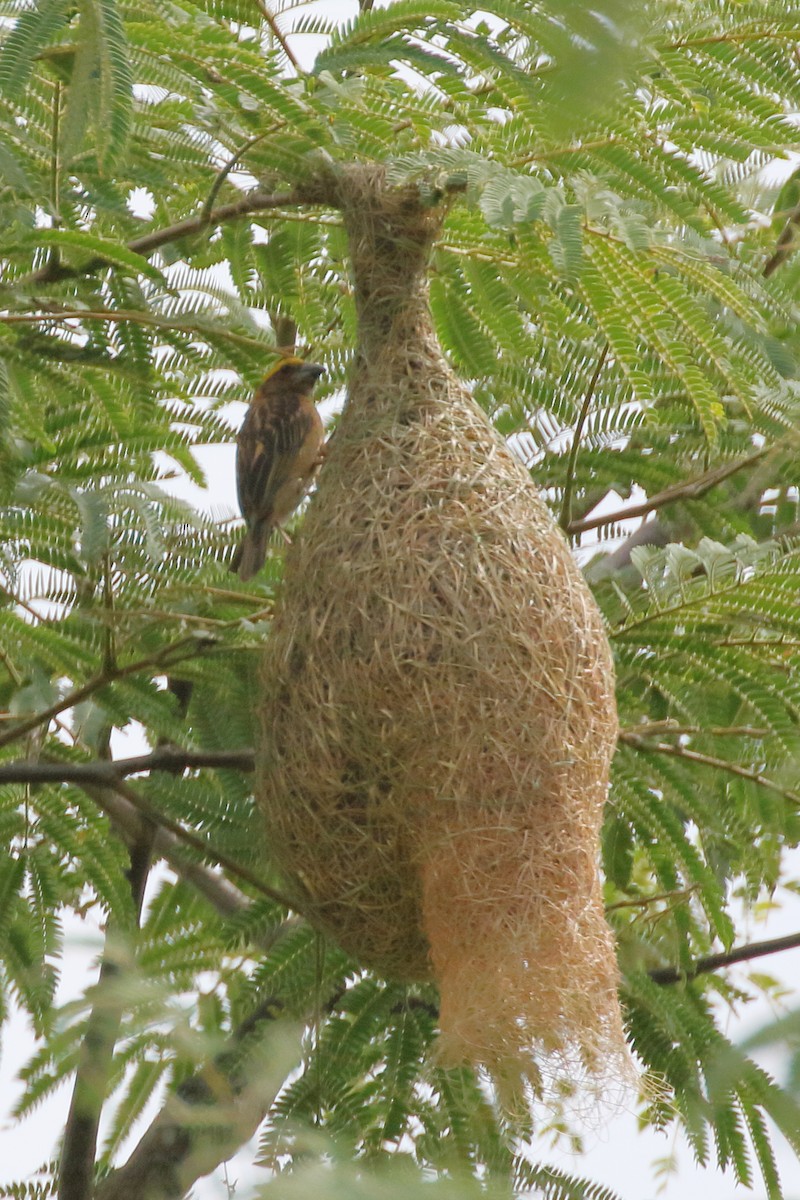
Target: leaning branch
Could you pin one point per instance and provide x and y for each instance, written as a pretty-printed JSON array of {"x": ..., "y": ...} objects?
[
  {"x": 786, "y": 243},
  {"x": 188, "y": 838},
  {"x": 224, "y": 897},
  {"x": 689, "y": 489}
]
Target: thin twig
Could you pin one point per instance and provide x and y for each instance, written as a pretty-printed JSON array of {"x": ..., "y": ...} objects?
[
  {"x": 688, "y": 489},
  {"x": 225, "y": 171},
  {"x": 566, "y": 505},
  {"x": 708, "y": 760},
  {"x": 134, "y": 316},
  {"x": 651, "y": 728},
  {"x": 646, "y": 901},
  {"x": 162, "y": 657}
]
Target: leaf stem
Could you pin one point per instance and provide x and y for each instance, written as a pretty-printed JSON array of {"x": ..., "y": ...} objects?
[
  {"x": 280, "y": 38},
  {"x": 569, "y": 483}
]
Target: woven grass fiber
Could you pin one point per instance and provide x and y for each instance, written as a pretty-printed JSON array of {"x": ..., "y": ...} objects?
[{"x": 438, "y": 704}]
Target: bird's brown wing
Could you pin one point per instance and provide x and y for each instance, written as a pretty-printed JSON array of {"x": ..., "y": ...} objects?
[{"x": 268, "y": 445}]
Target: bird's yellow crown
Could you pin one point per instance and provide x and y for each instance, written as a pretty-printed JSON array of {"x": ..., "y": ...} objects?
[{"x": 280, "y": 364}]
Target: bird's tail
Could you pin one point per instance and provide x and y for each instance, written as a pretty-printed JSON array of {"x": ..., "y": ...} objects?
[{"x": 249, "y": 558}]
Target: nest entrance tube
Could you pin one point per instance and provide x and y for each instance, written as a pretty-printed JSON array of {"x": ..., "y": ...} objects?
[{"x": 438, "y": 711}]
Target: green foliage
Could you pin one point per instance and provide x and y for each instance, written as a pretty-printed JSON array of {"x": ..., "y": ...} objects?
[{"x": 599, "y": 284}]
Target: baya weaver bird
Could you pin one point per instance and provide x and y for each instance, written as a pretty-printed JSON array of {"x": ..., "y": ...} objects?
[{"x": 278, "y": 452}]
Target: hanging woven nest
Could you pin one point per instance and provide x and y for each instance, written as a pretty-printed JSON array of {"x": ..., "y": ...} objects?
[{"x": 438, "y": 704}]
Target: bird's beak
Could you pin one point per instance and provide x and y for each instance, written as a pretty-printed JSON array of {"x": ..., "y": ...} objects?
[{"x": 310, "y": 372}]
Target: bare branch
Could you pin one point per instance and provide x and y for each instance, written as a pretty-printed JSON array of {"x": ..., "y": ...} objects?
[{"x": 689, "y": 489}]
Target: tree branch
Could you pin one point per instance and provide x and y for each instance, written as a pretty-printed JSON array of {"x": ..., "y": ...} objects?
[
  {"x": 708, "y": 760},
  {"x": 313, "y": 192},
  {"x": 651, "y": 728},
  {"x": 188, "y": 838},
  {"x": 220, "y": 893},
  {"x": 97, "y": 776},
  {"x": 713, "y": 962},
  {"x": 206, "y": 1119},
  {"x": 134, "y": 316},
  {"x": 689, "y": 489},
  {"x": 79, "y": 1149}
]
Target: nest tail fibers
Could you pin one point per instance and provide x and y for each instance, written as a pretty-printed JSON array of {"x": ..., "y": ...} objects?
[{"x": 438, "y": 709}]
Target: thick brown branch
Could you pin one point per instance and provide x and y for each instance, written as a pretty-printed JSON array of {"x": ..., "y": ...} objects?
[
  {"x": 100, "y": 771},
  {"x": 207, "y": 1119},
  {"x": 713, "y": 962},
  {"x": 689, "y": 489}
]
